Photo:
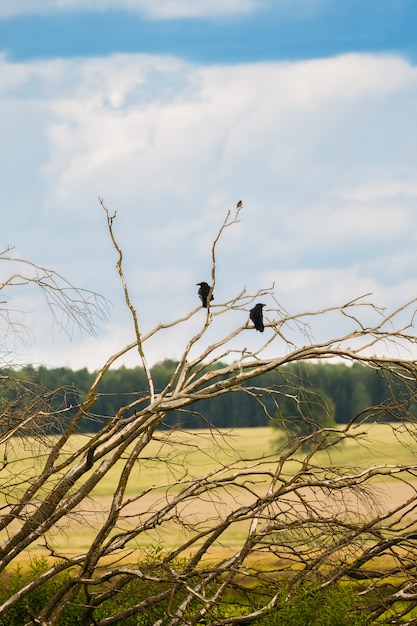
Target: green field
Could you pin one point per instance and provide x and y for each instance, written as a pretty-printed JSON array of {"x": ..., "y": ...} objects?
[
  {"x": 202, "y": 451},
  {"x": 174, "y": 458}
]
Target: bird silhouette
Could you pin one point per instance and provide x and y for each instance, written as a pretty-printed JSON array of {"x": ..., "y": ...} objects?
[
  {"x": 203, "y": 292},
  {"x": 256, "y": 315}
]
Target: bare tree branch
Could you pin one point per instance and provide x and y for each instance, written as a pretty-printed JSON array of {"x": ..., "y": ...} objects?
[{"x": 301, "y": 513}]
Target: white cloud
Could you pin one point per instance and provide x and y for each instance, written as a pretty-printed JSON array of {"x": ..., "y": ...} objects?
[
  {"x": 156, "y": 9},
  {"x": 323, "y": 153},
  {"x": 381, "y": 189},
  {"x": 192, "y": 8}
]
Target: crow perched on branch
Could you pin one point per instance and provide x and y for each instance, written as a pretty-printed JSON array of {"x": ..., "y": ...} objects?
[
  {"x": 256, "y": 316},
  {"x": 203, "y": 292}
]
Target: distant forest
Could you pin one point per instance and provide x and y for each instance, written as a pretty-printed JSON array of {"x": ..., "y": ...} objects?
[{"x": 351, "y": 388}]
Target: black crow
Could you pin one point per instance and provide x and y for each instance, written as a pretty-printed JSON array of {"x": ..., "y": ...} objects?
[
  {"x": 256, "y": 316},
  {"x": 203, "y": 292}
]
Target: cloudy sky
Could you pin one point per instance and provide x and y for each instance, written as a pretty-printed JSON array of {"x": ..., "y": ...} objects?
[{"x": 172, "y": 111}]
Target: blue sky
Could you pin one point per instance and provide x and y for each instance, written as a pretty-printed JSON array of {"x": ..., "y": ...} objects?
[
  {"x": 172, "y": 110},
  {"x": 262, "y": 30}
]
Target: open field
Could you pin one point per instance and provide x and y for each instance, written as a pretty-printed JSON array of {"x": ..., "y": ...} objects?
[{"x": 173, "y": 459}]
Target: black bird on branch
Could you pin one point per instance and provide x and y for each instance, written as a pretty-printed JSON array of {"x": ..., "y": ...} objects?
[
  {"x": 203, "y": 292},
  {"x": 256, "y": 315}
]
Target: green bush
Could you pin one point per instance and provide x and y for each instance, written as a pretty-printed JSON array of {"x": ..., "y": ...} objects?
[
  {"x": 305, "y": 606},
  {"x": 22, "y": 611},
  {"x": 311, "y": 606}
]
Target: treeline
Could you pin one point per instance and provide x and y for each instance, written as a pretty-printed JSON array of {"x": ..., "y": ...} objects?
[{"x": 351, "y": 388}]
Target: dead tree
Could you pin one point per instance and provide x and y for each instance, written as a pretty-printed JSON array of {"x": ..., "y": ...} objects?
[{"x": 301, "y": 518}]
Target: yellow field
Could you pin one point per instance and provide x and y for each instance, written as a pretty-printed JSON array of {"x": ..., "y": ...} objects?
[{"x": 174, "y": 458}]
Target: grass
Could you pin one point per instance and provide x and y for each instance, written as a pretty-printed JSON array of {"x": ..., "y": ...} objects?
[
  {"x": 173, "y": 458},
  {"x": 203, "y": 451}
]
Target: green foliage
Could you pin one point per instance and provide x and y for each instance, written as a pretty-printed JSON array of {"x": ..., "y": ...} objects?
[
  {"x": 303, "y": 412},
  {"x": 310, "y": 606},
  {"x": 306, "y": 606},
  {"x": 24, "y": 609},
  {"x": 347, "y": 391}
]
